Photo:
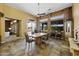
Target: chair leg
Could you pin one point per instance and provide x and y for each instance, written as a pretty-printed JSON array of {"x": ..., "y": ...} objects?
[
  {"x": 31, "y": 47},
  {"x": 28, "y": 48},
  {"x": 25, "y": 47}
]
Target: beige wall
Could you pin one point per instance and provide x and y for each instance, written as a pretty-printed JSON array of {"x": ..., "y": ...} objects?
[
  {"x": 76, "y": 17},
  {"x": 2, "y": 28},
  {"x": 15, "y": 14}
]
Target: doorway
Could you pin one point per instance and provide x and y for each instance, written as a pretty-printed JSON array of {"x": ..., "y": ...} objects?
[{"x": 12, "y": 27}]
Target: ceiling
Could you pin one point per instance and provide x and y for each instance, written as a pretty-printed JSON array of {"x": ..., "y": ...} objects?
[{"x": 34, "y": 9}]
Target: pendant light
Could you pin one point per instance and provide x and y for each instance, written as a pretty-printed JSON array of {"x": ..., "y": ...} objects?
[{"x": 40, "y": 14}]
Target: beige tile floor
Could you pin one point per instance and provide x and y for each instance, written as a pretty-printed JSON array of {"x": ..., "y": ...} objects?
[{"x": 17, "y": 48}]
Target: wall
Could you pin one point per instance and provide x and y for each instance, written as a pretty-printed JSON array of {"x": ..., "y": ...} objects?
[
  {"x": 67, "y": 13},
  {"x": 15, "y": 14},
  {"x": 76, "y": 17},
  {"x": 0, "y": 30}
]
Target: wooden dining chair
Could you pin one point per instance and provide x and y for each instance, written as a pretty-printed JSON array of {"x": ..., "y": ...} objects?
[
  {"x": 29, "y": 41},
  {"x": 45, "y": 40}
]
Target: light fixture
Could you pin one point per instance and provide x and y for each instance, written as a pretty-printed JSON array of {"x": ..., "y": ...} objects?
[
  {"x": 9, "y": 28},
  {"x": 40, "y": 14},
  {"x": 11, "y": 22},
  {"x": 49, "y": 10},
  {"x": 15, "y": 21}
]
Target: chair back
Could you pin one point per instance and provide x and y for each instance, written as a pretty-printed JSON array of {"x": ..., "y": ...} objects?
[
  {"x": 36, "y": 31},
  {"x": 26, "y": 37}
]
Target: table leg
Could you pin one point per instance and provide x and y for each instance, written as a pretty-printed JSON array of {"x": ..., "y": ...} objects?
[{"x": 38, "y": 41}]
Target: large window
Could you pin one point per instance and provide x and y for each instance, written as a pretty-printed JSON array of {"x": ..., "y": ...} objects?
[{"x": 57, "y": 23}]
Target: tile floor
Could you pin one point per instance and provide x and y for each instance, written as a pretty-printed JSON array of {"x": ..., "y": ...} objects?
[{"x": 17, "y": 48}]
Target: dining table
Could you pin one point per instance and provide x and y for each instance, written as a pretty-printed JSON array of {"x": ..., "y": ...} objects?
[{"x": 37, "y": 37}]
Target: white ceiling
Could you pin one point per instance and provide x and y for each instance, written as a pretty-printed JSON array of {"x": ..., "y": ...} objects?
[{"x": 32, "y": 8}]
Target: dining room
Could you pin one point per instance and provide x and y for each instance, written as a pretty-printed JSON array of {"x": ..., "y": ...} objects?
[{"x": 39, "y": 30}]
